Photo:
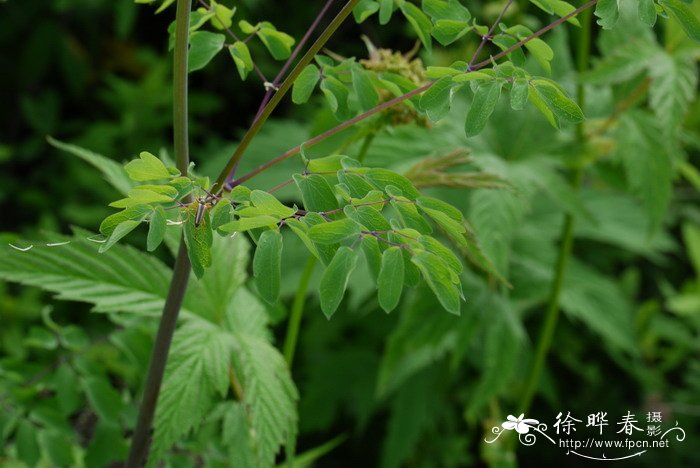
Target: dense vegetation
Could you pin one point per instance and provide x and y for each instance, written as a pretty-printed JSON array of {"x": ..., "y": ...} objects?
[{"x": 514, "y": 234}]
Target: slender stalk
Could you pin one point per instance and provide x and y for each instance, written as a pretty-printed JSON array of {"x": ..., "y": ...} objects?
[
  {"x": 385, "y": 105},
  {"x": 549, "y": 326},
  {"x": 489, "y": 35},
  {"x": 290, "y": 341},
  {"x": 181, "y": 272},
  {"x": 284, "y": 87},
  {"x": 290, "y": 60},
  {"x": 366, "y": 143}
]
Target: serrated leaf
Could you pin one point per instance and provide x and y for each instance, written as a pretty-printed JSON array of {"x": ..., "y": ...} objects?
[
  {"x": 147, "y": 167},
  {"x": 267, "y": 265},
  {"x": 335, "y": 278},
  {"x": 362, "y": 84},
  {"x": 305, "y": 83},
  {"x": 685, "y": 17},
  {"x": 197, "y": 371},
  {"x": 156, "y": 229},
  {"x": 120, "y": 280},
  {"x": 199, "y": 240},
  {"x": 675, "y": 80},
  {"x": 421, "y": 24},
  {"x": 269, "y": 396},
  {"x": 390, "y": 279},
  {"x": 557, "y": 101},
  {"x": 483, "y": 104},
  {"x": 241, "y": 57},
  {"x": 204, "y": 46},
  {"x": 113, "y": 172},
  {"x": 440, "y": 280},
  {"x": 334, "y": 232},
  {"x": 647, "y": 162}
]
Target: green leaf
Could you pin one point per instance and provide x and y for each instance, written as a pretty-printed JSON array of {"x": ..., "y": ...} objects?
[
  {"x": 607, "y": 12},
  {"x": 334, "y": 232},
  {"x": 220, "y": 214},
  {"x": 519, "y": 93},
  {"x": 436, "y": 100},
  {"x": 483, "y": 104},
  {"x": 267, "y": 265},
  {"x": 199, "y": 240},
  {"x": 156, "y": 229},
  {"x": 685, "y": 17},
  {"x": 675, "y": 80},
  {"x": 113, "y": 172},
  {"x": 368, "y": 217},
  {"x": 269, "y": 396},
  {"x": 279, "y": 44},
  {"x": 196, "y": 372},
  {"x": 386, "y": 8},
  {"x": 267, "y": 204},
  {"x": 364, "y": 9},
  {"x": 557, "y": 101},
  {"x": 433, "y": 246},
  {"x": 120, "y": 280},
  {"x": 305, "y": 83},
  {"x": 373, "y": 255},
  {"x": 148, "y": 167},
  {"x": 316, "y": 192},
  {"x": 410, "y": 217},
  {"x": 647, "y": 161},
  {"x": 246, "y": 224},
  {"x": 152, "y": 194},
  {"x": 204, "y": 46},
  {"x": 121, "y": 230},
  {"x": 447, "y": 31},
  {"x": 336, "y": 94},
  {"x": 446, "y": 10},
  {"x": 223, "y": 15},
  {"x": 362, "y": 84},
  {"x": 542, "y": 53},
  {"x": 430, "y": 203},
  {"x": 440, "y": 280},
  {"x": 104, "y": 399},
  {"x": 421, "y": 24},
  {"x": 381, "y": 178},
  {"x": 335, "y": 278},
  {"x": 647, "y": 12},
  {"x": 390, "y": 279},
  {"x": 241, "y": 57}
]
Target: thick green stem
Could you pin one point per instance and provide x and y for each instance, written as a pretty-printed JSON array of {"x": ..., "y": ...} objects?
[
  {"x": 551, "y": 318},
  {"x": 290, "y": 341},
  {"x": 181, "y": 272},
  {"x": 284, "y": 87}
]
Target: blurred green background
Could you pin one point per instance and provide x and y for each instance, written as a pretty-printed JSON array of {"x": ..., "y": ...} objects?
[{"x": 415, "y": 388}]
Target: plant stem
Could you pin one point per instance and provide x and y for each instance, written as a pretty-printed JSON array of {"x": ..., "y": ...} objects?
[
  {"x": 290, "y": 341},
  {"x": 284, "y": 87},
  {"x": 549, "y": 326},
  {"x": 297, "y": 49},
  {"x": 366, "y": 143},
  {"x": 392, "y": 102},
  {"x": 181, "y": 272}
]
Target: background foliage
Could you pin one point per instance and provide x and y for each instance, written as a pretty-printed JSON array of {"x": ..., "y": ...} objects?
[{"x": 417, "y": 387}]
